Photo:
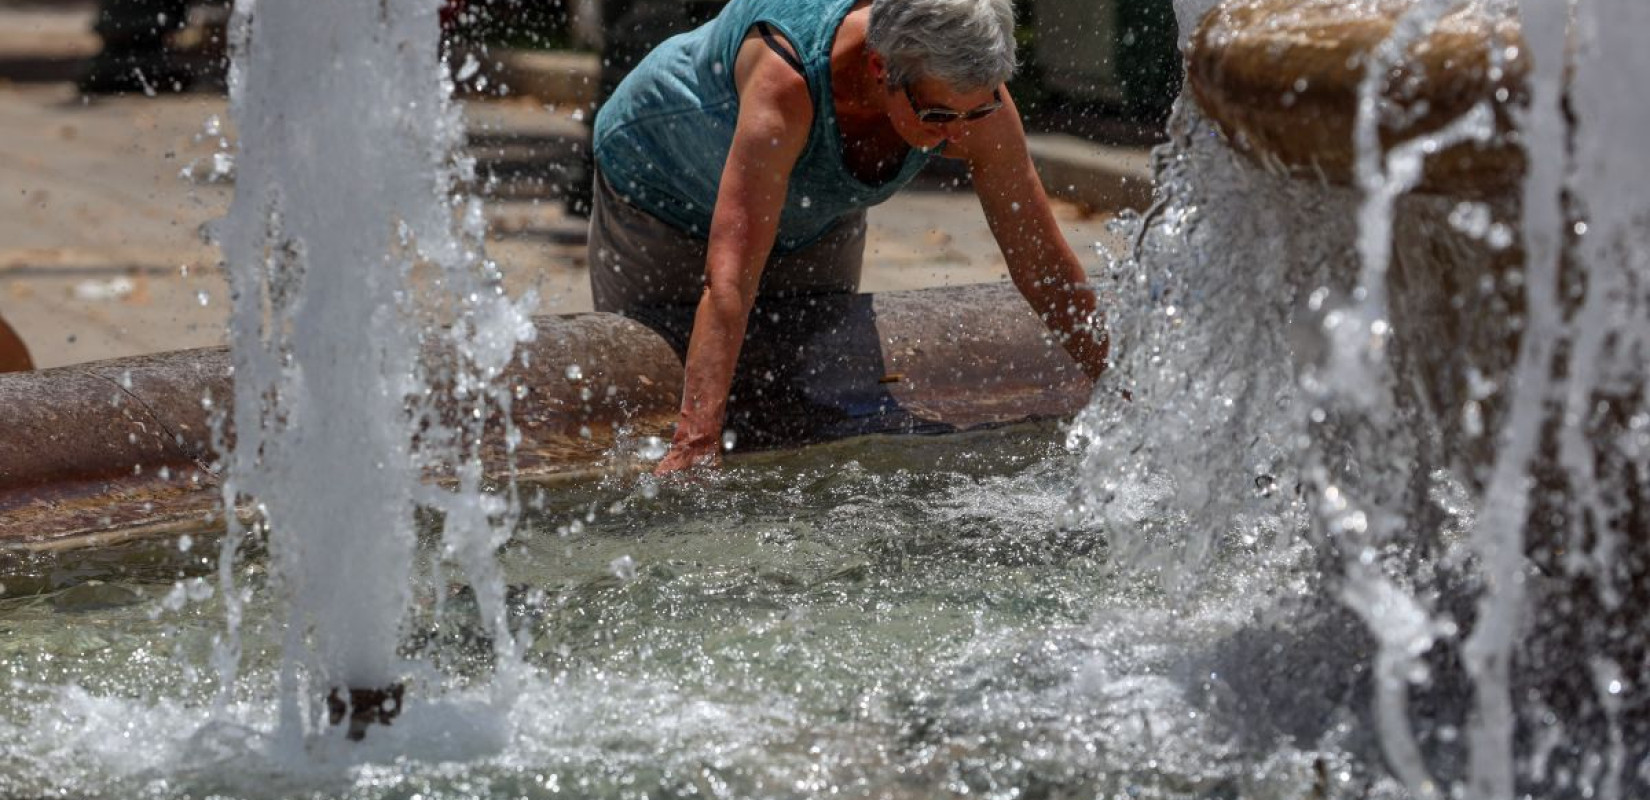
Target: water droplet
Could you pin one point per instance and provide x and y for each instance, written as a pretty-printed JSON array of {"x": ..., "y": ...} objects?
[
  {"x": 470, "y": 68},
  {"x": 728, "y": 440},
  {"x": 1472, "y": 419},
  {"x": 574, "y": 372},
  {"x": 1355, "y": 522},
  {"x": 623, "y": 567},
  {"x": 203, "y": 297},
  {"x": 652, "y": 449},
  {"x": 1472, "y": 219}
]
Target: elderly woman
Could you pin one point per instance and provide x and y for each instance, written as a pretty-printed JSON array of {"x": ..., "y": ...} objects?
[{"x": 738, "y": 159}]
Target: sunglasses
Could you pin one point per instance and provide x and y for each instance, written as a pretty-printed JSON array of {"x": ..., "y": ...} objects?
[{"x": 943, "y": 115}]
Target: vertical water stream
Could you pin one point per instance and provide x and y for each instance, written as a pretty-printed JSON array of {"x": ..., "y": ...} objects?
[{"x": 355, "y": 269}]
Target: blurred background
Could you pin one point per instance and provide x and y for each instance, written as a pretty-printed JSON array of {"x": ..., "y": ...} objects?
[{"x": 116, "y": 153}]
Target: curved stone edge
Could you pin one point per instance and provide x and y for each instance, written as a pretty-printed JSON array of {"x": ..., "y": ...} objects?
[
  {"x": 1281, "y": 80},
  {"x": 109, "y": 419},
  {"x": 117, "y": 450}
]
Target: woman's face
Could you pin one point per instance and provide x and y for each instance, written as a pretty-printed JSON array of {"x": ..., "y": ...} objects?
[{"x": 906, "y": 107}]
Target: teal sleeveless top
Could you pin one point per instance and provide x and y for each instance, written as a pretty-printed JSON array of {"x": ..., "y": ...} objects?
[{"x": 662, "y": 139}]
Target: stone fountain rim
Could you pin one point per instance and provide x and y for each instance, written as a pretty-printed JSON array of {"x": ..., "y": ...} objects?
[
  {"x": 91, "y": 440},
  {"x": 1280, "y": 78}
]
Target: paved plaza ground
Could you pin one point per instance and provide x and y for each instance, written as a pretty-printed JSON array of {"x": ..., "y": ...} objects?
[{"x": 103, "y": 203}]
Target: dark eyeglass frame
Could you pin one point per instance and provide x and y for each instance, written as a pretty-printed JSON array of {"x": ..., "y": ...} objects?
[{"x": 942, "y": 115}]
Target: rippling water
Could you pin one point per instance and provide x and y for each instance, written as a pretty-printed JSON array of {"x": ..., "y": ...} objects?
[{"x": 880, "y": 617}]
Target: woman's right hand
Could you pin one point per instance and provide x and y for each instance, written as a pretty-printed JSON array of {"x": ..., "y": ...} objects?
[{"x": 688, "y": 453}]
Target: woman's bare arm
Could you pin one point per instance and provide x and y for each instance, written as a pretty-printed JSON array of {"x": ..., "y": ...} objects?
[
  {"x": 775, "y": 113},
  {"x": 1040, "y": 262}
]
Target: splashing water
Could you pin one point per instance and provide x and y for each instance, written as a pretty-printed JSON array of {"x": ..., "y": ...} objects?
[
  {"x": 351, "y": 261},
  {"x": 847, "y": 620},
  {"x": 1459, "y": 427},
  {"x": 1204, "y": 366},
  {"x": 1437, "y": 579}
]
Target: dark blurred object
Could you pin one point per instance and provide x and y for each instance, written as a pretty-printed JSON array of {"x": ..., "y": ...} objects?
[
  {"x": 365, "y": 707},
  {"x": 135, "y": 55},
  {"x": 1105, "y": 57},
  {"x": 541, "y": 24},
  {"x": 451, "y": 13},
  {"x": 630, "y": 30},
  {"x": 156, "y": 46},
  {"x": 14, "y": 356}
]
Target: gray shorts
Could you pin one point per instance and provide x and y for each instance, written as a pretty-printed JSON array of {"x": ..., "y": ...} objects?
[{"x": 648, "y": 270}]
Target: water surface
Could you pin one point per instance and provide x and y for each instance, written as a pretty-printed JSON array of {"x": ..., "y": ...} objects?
[{"x": 893, "y": 616}]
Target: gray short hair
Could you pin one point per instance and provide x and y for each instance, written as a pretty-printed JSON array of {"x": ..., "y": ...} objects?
[{"x": 965, "y": 44}]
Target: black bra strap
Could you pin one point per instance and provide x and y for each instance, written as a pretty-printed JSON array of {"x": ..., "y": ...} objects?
[{"x": 773, "y": 44}]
